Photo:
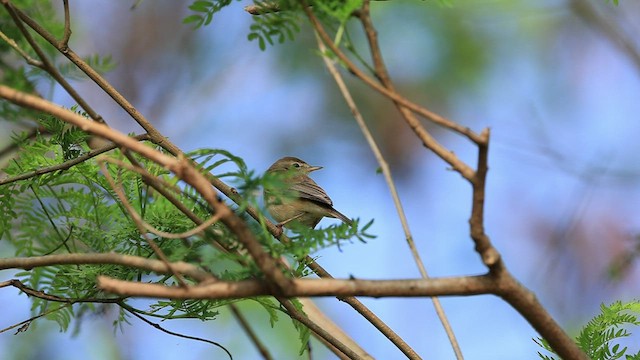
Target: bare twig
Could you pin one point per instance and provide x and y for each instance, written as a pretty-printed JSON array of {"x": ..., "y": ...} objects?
[
  {"x": 393, "y": 95},
  {"x": 48, "y": 66},
  {"x": 154, "y": 134},
  {"x": 490, "y": 256},
  {"x": 244, "y": 324},
  {"x": 131, "y": 311},
  {"x": 25, "y": 324},
  {"x": 403, "y": 346},
  {"x": 42, "y": 295},
  {"x": 64, "y": 43},
  {"x": 31, "y": 61},
  {"x": 383, "y": 75},
  {"x": 298, "y": 315}
]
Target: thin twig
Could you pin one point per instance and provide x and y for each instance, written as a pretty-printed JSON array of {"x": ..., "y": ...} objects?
[
  {"x": 403, "y": 346},
  {"x": 44, "y": 296},
  {"x": 155, "y": 135},
  {"x": 244, "y": 324},
  {"x": 296, "y": 314},
  {"x": 383, "y": 75},
  {"x": 64, "y": 43},
  {"x": 435, "y": 118},
  {"x": 25, "y": 324},
  {"x": 48, "y": 66},
  {"x": 31, "y": 61},
  {"x": 490, "y": 255},
  {"x": 131, "y": 311}
]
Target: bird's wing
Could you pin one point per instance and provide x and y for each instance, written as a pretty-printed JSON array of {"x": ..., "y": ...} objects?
[{"x": 310, "y": 190}]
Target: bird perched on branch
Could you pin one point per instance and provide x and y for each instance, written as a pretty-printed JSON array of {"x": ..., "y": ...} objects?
[{"x": 298, "y": 199}]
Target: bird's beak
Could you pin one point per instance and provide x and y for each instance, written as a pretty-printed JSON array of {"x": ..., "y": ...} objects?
[{"x": 314, "y": 168}]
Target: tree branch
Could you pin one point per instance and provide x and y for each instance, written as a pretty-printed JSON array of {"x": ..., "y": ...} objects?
[
  {"x": 435, "y": 118},
  {"x": 157, "y": 266},
  {"x": 454, "y": 286},
  {"x": 47, "y": 65}
]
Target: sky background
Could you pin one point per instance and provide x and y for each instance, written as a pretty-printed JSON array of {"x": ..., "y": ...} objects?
[{"x": 563, "y": 190}]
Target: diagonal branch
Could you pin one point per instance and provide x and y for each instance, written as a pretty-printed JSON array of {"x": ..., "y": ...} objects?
[
  {"x": 403, "y": 346},
  {"x": 392, "y": 94},
  {"x": 155, "y": 135},
  {"x": 47, "y": 65}
]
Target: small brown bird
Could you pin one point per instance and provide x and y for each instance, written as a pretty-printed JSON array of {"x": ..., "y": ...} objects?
[{"x": 300, "y": 199}]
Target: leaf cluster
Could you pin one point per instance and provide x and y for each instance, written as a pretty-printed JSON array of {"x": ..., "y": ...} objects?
[
  {"x": 76, "y": 211},
  {"x": 598, "y": 338}
]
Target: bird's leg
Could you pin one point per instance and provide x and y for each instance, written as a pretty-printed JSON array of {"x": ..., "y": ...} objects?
[{"x": 283, "y": 223}]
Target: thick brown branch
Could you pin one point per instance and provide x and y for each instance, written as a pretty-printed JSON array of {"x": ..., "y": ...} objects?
[
  {"x": 526, "y": 303},
  {"x": 455, "y": 286}
]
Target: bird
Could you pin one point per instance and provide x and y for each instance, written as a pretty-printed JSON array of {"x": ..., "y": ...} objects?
[{"x": 298, "y": 199}]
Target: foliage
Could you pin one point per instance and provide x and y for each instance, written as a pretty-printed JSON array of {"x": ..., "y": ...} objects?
[
  {"x": 204, "y": 11},
  {"x": 598, "y": 338},
  {"x": 76, "y": 210},
  {"x": 281, "y": 25}
]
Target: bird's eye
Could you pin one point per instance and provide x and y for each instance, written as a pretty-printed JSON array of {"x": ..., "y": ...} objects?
[{"x": 296, "y": 165}]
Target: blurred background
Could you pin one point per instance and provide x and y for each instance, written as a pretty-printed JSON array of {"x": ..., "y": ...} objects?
[{"x": 556, "y": 81}]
